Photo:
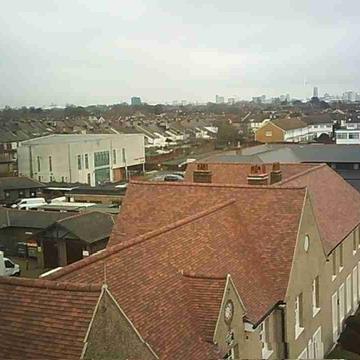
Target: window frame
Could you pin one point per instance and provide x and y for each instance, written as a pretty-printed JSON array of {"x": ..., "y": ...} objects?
[
  {"x": 79, "y": 164},
  {"x": 348, "y": 293},
  {"x": 264, "y": 332},
  {"x": 86, "y": 161},
  {"x": 333, "y": 264},
  {"x": 299, "y": 323},
  {"x": 315, "y": 292}
]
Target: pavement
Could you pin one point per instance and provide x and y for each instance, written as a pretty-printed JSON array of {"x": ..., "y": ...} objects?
[{"x": 29, "y": 267}]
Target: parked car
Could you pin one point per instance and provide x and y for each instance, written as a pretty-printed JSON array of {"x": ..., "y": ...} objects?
[
  {"x": 173, "y": 177},
  {"x": 28, "y": 203}
]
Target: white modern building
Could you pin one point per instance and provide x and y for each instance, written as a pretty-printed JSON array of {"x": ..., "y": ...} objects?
[
  {"x": 90, "y": 158},
  {"x": 348, "y": 136}
]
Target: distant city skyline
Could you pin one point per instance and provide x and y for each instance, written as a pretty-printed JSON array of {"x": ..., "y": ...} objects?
[{"x": 104, "y": 52}]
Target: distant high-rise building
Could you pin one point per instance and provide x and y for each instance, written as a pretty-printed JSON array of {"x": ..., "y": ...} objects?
[
  {"x": 231, "y": 101},
  {"x": 135, "y": 100},
  {"x": 219, "y": 99},
  {"x": 349, "y": 96},
  {"x": 316, "y": 92},
  {"x": 259, "y": 99}
]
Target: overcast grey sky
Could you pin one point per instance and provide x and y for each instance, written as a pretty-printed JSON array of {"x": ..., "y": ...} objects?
[{"x": 105, "y": 51}]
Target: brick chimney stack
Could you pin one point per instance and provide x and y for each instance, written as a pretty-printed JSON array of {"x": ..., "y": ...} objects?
[
  {"x": 202, "y": 174},
  {"x": 258, "y": 175},
  {"x": 275, "y": 174}
]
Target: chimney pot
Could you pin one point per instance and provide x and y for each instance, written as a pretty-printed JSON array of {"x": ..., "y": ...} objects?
[
  {"x": 258, "y": 175},
  {"x": 202, "y": 174},
  {"x": 276, "y": 174}
]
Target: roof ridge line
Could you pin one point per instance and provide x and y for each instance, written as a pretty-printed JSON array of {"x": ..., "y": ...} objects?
[
  {"x": 250, "y": 163},
  {"x": 188, "y": 183},
  {"x": 81, "y": 213},
  {"x": 194, "y": 275},
  {"x": 302, "y": 173},
  {"x": 48, "y": 284},
  {"x": 137, "y": 240}
]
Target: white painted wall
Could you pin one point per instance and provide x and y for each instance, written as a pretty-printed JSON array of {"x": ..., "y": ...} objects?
[
  {"x": 295, "y": 135},
  {"x": 347, "y": 137},
  {"x": 317, "y": 129},
  {"x": 64, "y": 157}
]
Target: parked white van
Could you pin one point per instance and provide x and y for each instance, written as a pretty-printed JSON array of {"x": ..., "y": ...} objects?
[
  {"x": 28, "y": 203},
  {"x": 8, "y": 267}
]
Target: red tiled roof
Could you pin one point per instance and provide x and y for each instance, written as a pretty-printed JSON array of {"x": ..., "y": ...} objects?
[
  {"x": 222, "y": 230},
  {"x": 336, "y": 203},
  {"x": 43, "y": 319},
  {"x": 234, "y": 173},
  {"x": 205, "y": 296},
  {"x": 331, "y": 195}
]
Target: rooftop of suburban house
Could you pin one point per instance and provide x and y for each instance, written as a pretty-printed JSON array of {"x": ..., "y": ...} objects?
[
  {"x": 176, "y": 242},
  {"x": 42, "y": 319},
  {"x": 211, "y": 230},
  {"x": 289, "y": 123},
  {"x": 237, "y": 173},
  {"x": 89, "y": 226},
  {"x": 330, "y": 193}
]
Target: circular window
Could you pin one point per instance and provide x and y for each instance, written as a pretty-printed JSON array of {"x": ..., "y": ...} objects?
[
  {"x": 306, "y": 243},
  {"x": 229, "y": 311}
]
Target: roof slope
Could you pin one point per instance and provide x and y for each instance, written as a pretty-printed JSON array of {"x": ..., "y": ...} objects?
[
  {"x": 30, "y": 219},
  {"x": 232, "y": 173},
  {"x": 42, "y": 319},
  {"x": 21, "y": 182},
  {"x": 210, "y": 230},
  {"x": 89, "y": 226},
  {"x": 331, "y": 196},
  {"x": 289, "y": 123},
  {"x": 205, "y": 297}
]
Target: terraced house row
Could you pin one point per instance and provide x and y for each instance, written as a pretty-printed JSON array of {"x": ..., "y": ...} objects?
[{"x": 239, "y": 261}]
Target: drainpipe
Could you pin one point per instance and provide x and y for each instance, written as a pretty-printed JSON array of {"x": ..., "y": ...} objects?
[{"x": 283, "y": 333}]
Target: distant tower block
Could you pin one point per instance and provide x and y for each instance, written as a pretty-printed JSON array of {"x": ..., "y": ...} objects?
[{"x": 316, "y": 92}]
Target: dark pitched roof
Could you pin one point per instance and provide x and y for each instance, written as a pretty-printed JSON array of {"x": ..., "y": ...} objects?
[
  {"x": 43, "y": 319},
  {"x": 89, "y": 226},
  {"x": 22, "y": 182},
  {"x": 289, "y": 123},
  {"x": 324, "y": 153},
  {"x": 28, "y": 218}
]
